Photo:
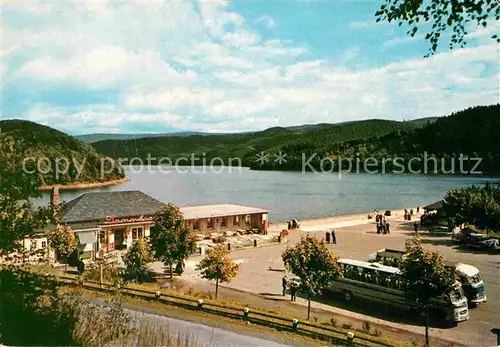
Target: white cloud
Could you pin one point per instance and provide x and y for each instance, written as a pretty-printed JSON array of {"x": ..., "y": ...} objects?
[
  {"x": 267, "y": 21},
  {"x": 199, "y": 66}
]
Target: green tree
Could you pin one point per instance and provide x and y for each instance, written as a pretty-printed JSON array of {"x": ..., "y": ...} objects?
[
  {"x": 19, "y": 219},
  {"x": 217, "y": 265},
  {"x": 312, "y": 262},
  {"x": 171, "y": 241},
  {"x": 441, "y": 15},
  {"x": 138, "y": 257},
  {"x": 425, "y": 278},
  {"x": 63, "y": 241},
  {"x": 105, "y": 269},
  {"x": 477, "y": 206}
]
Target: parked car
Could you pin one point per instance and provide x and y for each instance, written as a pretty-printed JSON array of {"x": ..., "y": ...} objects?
[{"x": 476, "y": 240}]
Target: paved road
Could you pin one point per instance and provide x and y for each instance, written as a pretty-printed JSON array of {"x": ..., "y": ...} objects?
[{"x": 357, "y": 242}]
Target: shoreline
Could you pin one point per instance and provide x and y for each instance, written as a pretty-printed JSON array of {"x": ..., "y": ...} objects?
[
  {"x": 320, "y": 224},
  {"x": 85, "y": 185}
]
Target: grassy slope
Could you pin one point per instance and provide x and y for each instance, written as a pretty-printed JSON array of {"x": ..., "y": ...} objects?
[
  {"x": 248, "y": 144},
  {"x": 39, "y": 141}
]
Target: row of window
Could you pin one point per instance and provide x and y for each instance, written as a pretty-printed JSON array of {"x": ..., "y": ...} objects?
[
  {"x": 372, "y": 276},
  {"x": 34, "y": 245},
  {"x": 223, "y": 222}
]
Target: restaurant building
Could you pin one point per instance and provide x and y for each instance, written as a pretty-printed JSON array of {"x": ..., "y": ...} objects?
[{"x": 110, "y": 221}]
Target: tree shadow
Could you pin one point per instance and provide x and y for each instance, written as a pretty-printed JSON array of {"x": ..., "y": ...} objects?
[
  {"x": 439, "y": 242},
  {"x": 379, "y": 310}
]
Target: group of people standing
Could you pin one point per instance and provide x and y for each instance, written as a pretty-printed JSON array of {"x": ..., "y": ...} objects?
[
  {"x": 409, "y": 213},
  {"x": 293, "y": 224},
  {"x": 383, "y": 225}
]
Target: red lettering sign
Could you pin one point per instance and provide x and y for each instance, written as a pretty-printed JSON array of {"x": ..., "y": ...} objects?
[{"x": 113, "y": 220}]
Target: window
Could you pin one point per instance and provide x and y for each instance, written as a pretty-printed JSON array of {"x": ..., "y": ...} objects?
[
  {"x": 236, "y": 220},
  {"x": 137, "y": 233},
  {"x": 247, "y": 219},
  {"x": 223, "y": 222},
  {"x": 33, "y": 245},
  {"x": 196, "y": 224},
  {"x": 210, "y": 224},
  {"x": 44, "y": 244}
]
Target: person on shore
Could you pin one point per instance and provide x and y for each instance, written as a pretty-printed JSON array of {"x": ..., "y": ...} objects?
[
  {"x": 418, "y": 209},
  {"x": 293, "y": 291},
  {"x": 284, "y": 284},
  {"x": 383, "y": 228},
  {"x": 388, "y": 225},
  {"x": 411, "y": 212},
  {"x": 334, "y": 237},
  {"x": 327, "y": 237},
  {"x": 289, "y": 225},
  {"x": 415, "y": 227},
  {"x": 378, "y": 228}
]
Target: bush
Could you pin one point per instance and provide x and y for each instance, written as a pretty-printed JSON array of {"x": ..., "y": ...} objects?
[
  {"x": 366, "y": 327},
  {"x": 347, "y": 326},
  {"x": 377, "y": 333},
  {"x": 333, "y": 322}
]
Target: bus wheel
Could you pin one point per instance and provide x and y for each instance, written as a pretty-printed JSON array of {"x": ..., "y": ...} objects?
[{"x": 347, "y": 295}]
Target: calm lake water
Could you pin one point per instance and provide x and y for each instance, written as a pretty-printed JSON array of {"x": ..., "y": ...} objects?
[{"x": 288, "y": 194}]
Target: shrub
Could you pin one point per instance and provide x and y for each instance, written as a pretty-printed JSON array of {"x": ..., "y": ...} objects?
[
  {"x": 366, "y": 327},
  {"x": 347, "y": 326},
  {"x": 377, "y": 333},
  {"x": 333, "y": 322}
]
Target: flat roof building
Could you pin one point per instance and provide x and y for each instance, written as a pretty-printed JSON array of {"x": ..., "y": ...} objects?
[{"x": 108, "y": 221}]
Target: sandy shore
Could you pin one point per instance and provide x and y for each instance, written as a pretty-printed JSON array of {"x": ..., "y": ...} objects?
[
  {"x": 320, "y": 224},
  {"x": 83, "y": 185}
]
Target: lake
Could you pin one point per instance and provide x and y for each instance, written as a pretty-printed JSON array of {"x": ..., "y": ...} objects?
[{"x": 288, "y": 194}]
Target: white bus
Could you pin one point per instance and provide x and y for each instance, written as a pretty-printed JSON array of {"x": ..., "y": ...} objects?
[
  {"x": 468, "y": 275},
  {"x": 382, "y": 283}
]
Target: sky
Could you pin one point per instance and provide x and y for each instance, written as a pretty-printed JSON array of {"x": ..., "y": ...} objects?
[{"x": 229, "y": 66}]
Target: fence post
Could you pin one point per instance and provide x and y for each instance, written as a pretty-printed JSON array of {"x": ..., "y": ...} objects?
[
  {"x": 245, "y": 313},
  {"x": 350, "y": 338},
  {"x": 295, "y": 324},
  {"x": 200, "y": 304}
]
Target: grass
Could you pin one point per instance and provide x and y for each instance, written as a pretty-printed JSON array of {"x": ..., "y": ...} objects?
[{"x": 178, "y": 299}]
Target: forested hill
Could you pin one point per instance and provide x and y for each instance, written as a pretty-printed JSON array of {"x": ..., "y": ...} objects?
[
  {"x": 42, "y": 147},
  {"x": 247, "y": 145},
  {"x": 473, "y": 133}
]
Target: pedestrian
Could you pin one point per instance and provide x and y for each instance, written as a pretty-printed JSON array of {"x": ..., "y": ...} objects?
[
  {"x": 327, "y": 236},
  {"x": 411, "y": 212},
  {"x": 383, "y": 228},
  {"x": 293, "y": 291},
  {"x": 334, "y": 238},
  {"x": 387, "y": 225},
  {"x": 283, "y": 284},
  {"x": 415, "y": 227},
  {"x": 418, "y": 209},
  {"x": 378, "y": 228},
  {"x": 289, "y": 225}
]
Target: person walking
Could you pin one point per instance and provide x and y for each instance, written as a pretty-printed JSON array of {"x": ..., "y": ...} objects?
[
  {"x": 293, "y": 291},
  {"x": 415, "y": 227},
  {"x": 388, "y": 227},
  {"x": 284, "y": 284},
  {"x": 418, "y": 209},
  {"x": 327, "y": 237},
  {"x": 289, "y": 225},
  {"x": 334, "y": 237}
]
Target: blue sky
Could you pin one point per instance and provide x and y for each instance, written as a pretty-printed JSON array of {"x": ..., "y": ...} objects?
[{"x": 227, "y": 66}]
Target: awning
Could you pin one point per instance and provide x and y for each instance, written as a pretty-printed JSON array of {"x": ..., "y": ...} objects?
[{"x": 87, "y": 237}]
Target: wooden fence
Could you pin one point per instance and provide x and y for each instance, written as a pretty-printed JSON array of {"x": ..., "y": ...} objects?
[{"x": 330, "y": 333}]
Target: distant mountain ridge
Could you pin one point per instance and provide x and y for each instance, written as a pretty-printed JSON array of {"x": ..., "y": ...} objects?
[
  {"x": 92, "y": 138},
  {"x": 246, "y": 145}
]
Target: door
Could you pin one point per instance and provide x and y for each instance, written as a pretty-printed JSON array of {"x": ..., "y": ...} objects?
[{"x": 119, "y": 237}]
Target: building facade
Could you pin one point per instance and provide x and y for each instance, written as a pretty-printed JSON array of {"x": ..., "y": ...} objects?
[{"x": 109, "y": 221}]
